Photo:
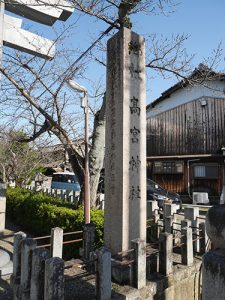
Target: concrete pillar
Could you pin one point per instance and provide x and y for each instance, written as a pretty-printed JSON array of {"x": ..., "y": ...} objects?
[
  {"x": 57, "y": 242},
  {"x": 28, "y": 245},
  {"x": 195, "y": 232},
  {"x": 160, "y": 227},
  {"x": 168, "y": 221},
  {"x": 88, "y": 240},
  {"x": 165, "y": 253},
  {"x": 103, "y": 276},
  {"x": 67, "y": 195},
  {"x": 204, "y": 238},
  {"x": 139, "y": 247},
  {"x": 167, "y": 210},
  {"x": 15, "y": 278},
  {"x": 125, "y": 155},
  {"x": 187, "y": 243},
  {"x": 54, "y": 279},
  {"x": 151, "y": 207},
  {"x": 156, "y": 215},
  {"x": 37, "y": 274},
  {"x": 62, "y": 195},
  {"x": 191, "y": 213},
  {"x": 2, "y": 206}
]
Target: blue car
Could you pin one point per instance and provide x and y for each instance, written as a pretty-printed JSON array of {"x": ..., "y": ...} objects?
[{"x": 65, "y": 181}]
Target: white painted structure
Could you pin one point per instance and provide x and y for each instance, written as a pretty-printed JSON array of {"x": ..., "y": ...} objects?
[
  {"x": 213, "y": 89},
  {"x": 20, "y": 39},
  {"x": 42, "y": 11}
]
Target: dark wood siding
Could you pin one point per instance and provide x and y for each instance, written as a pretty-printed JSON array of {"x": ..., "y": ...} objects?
[{"x": 191, "y": 128}]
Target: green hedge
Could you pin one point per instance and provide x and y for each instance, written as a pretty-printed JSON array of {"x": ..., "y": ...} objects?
[{"x": 38, "y": 213}]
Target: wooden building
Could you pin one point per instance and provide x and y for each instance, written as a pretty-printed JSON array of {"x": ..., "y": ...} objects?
[{"x": 186, "y": 134}]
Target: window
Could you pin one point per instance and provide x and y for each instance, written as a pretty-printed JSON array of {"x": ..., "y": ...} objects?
[
  {"x": 168, "y": 167},
  {"x": 206, "y": 171}
]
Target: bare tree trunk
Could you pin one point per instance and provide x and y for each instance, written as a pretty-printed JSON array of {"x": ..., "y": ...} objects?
[
  {"x": 97, "y": 152},
  {"x": 3, "y": 173}
]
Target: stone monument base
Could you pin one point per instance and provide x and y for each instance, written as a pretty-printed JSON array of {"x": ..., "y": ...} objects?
[{"x": 122, "y": 269}]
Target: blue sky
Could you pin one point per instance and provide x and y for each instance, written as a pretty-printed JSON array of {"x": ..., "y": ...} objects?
[{"x": 203, "y": 20}]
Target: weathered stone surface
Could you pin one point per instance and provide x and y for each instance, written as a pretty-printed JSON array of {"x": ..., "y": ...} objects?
[
  {"x": 88, "y": 240},
  {"x": 213, "y": 275},
  {"x": 56, "y": 242},
  {"x": 37, "y": 274},
  {"x": 215, "y": 225},
  {"x": 54, "y": 279},
  {"x": 165, "y": 253},
  {"x": 187, "y": 243},
  {"x": 103, "y": 278},
  {"x": 125, "y": 158},
  {"x": 28, "y": 245},
  {"x": 18, "y": 238},
  {"x": 139, "y": 247},
  {"x": 151, "y": 207}
]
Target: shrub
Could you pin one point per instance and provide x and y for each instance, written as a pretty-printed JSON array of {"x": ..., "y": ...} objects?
[{"x": 38, "y": 213}]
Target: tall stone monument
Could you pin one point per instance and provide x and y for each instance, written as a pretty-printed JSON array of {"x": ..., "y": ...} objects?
[{"x": 125, "y": 158}]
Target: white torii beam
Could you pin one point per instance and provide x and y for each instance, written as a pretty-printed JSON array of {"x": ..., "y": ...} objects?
[
  {"x": 42, "y": 11},
  {"x": 20, "y": 39}
]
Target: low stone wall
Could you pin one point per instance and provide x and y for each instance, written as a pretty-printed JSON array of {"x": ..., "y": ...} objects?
[{"x": 183, "y": 284}]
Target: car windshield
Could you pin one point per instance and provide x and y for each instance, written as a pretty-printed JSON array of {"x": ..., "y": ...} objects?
[
  {"x": 64, "y": 178},
  {"x": 151, "y": 185}
]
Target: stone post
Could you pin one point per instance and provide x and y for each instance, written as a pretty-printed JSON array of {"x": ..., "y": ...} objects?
[
  {"x": 165, "y": 253},
  {"x": 125, "y": 153},
  {"x": 56, "y": 242},
  {"x": 28, "y": 245},
  {"x": 167, "y": 210},
  {"x": 37, "y": 274},
  {"x": 168, "y": 221},
  {"x": 139, "y": 247},
  {"x": 54, "y": 279},
  {"x": 191, "y": 213},
  {"x": 15, "y": 279},
  {"x": 160, "y": 227},
  {"x": 204, "y": 238},
  {"x": 62, "y": 195},
  {"x": 88, "y": 240},
  {"x": 196, "y": 235},
  {"x": 103, "y": 276},
  {"x": 2, "y": 206},
  {"x": 151, "y": 207},
  {"x": 67, "y": 195},
  {"x": 186, "y": 243}
]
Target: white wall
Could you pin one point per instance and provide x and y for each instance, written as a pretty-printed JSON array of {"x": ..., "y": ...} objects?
[{"x": 213, "y": 89}]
